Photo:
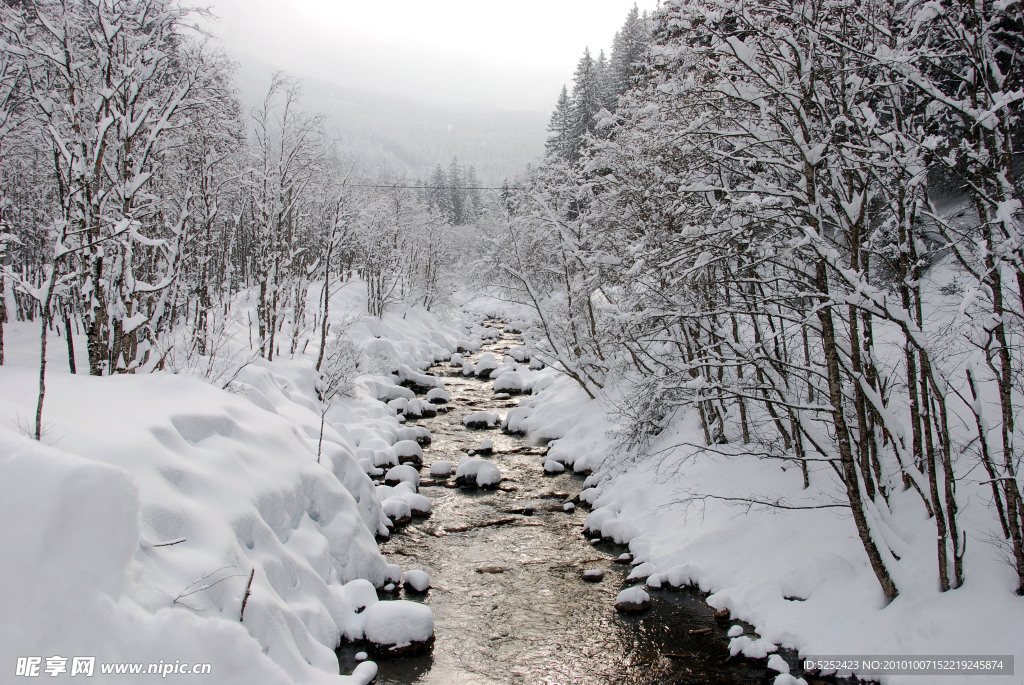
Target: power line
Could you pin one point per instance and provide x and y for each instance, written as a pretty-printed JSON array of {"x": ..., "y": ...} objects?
[{"x": 400, "y": 187}]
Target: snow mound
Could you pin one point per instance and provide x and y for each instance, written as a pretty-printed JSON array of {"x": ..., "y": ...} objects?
[
  {"x": 73, "y": 552},
  {"x": 511, "y": 382},
  {"x": 408, "y": 452},
  {"x": 398, "y": 623},
  {"x": 515, "y": 421},
  {"x": 419, "y": 434},
  {"x": 481, "y": 419},
  {"x": 402, "y": 474},
  {"x": 441, "y": 468},
  {"x": 477, "y": 472},
  {"x": 487, "y": 363},
  {"x": 551, "y": 466},
  {"x": 417, "y": 580},
  {"x": 417, "y": 381},
  {"x": 438, "y": 396},
  {"x": 632, "y": 599},
  {"x": 519, "y": 353}
]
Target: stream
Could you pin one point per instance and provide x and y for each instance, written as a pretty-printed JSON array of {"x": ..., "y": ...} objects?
[{"x": 509, "y": 601}]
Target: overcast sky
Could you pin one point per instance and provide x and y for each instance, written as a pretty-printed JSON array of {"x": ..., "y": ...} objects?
[{"x": 509, "y": 54}]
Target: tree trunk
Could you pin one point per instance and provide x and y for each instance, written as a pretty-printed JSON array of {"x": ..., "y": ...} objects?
[{"x": 847, "y": 460}]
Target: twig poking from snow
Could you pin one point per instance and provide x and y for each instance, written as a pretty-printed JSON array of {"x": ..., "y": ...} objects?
[
  {"x": 245, "y": 597},
  {"x": 170, "y": 542}
]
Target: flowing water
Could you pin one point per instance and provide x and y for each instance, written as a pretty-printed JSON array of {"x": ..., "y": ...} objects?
[{"x": 509, "y": 601}]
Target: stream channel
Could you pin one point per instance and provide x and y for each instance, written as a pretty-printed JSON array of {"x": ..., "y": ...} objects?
[{"x": 537, "y": 620}]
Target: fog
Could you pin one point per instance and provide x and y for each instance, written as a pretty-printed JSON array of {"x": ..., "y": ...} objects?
[{"x": 453, "y": 52}]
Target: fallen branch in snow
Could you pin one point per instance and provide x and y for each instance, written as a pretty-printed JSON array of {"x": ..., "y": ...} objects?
[
  {"x": 170, "y": 543},
  {"x": 245, "y": 597},
  {"x": 777, "y": 504},
  {"x": 177, "y": 600}
]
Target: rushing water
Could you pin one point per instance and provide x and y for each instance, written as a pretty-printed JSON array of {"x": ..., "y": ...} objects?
[{"x": 537, "y": 620}]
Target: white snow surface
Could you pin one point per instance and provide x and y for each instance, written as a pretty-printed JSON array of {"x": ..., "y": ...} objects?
[
  {"x": 482, "y": 471},
  {"x": 441, "y": 468},
  {"x": 489, "y": 418},
  {"x": 632, "y": 595},
  {"x": 398, "y": 623},
  {"x": 751, "y": 559},
  {"x": 132, "y": 530},
  {"x": 418, "y": 580}
]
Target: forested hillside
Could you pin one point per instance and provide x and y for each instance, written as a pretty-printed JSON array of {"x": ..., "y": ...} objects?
[{"x": 801, "y": 220}]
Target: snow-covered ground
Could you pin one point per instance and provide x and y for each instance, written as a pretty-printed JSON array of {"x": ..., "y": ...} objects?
[
  {"x": 132, "y": 531},
  {"x": 800, "y": 576}
]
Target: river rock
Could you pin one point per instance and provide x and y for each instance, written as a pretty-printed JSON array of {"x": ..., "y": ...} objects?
[
  {"x": 477, "y": 473},
  {"x": 481, "y": 419},
  {"x": 632, "y": 600},
  {"x": 420, "y": 434},
  {"x": 417, "y": 581},
  {"x": 485, "y": 365},
  {"x": 593, "y": 575},
  {"x": 408, "y": 452},
  {"x": 402, "y": 474},
  {"x": 419, "y": 409},
  {"x": 485, "y": 448},
  {"x": 519, "y": 353},
  {"x": 441, "y": 469},
  {"x": 438, "y": 396},
  {"x": 416, "y": 381},
  {"x": 398, "y": 627},
  {"x": 509, "y": 382},
  {"x": 551, "y": 467},
  {"x": 397, "y": 510},
  {"x": 490, "y": 568}
]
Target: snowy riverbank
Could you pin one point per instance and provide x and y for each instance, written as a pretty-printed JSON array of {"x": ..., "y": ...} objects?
[
  {"x": 133, "y": 529},
  {"x": 798, "y": 575}
]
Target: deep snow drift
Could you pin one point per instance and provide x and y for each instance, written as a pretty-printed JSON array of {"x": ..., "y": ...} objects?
[{"x": 131, "y": 533}]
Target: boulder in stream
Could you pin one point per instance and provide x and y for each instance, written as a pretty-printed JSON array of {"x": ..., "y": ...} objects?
[
  {"x": 477, "y": 473},
  {"x": 438, "y": 396},
  {"x": 632, "y": 600},
  {"x": 481, "y": 419},
  {"x": 398, "y": 627},
  {"x": 441, "y": 469},
  {"x": 418, "y": 433},
  {"x": 417, "y": 581},
  {"x": 408, "y": 452},
  {"x": 402, "y": 474}
]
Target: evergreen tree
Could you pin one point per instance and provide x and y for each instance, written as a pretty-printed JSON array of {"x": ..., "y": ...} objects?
[
  {"x": 628, "y": 50},
  {"x": 473, "y": 204},
  {"x": 456, "y": 192},
  {"x": 440, "y": 198},
  {"x": 558, "y": 129},
  {"x": 586, "y": 102}
]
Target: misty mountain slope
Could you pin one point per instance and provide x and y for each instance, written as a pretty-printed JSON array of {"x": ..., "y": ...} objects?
[{"x": 380, "y": 131}]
